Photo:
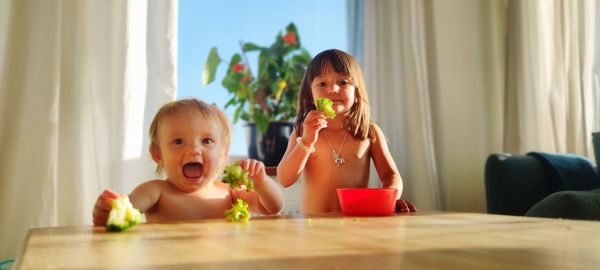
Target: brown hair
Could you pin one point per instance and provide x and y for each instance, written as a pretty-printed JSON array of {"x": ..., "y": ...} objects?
[
  {"x": 359, "y": 118},
  {"x": 180, "y": 106}
]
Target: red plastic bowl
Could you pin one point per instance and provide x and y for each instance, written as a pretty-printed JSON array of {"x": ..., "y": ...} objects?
[{"x": 367, "y": 201}]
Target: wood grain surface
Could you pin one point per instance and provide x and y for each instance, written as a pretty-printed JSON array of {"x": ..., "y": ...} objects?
[{"x": 427, "y": 240}]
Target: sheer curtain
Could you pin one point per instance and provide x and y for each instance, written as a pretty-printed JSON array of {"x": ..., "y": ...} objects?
[
  {"x": 549, "y": 95},
  {"x": 445, "y": 78},
  {"x": 395, "y": 64},
  {"x": 79, "y": 83}
]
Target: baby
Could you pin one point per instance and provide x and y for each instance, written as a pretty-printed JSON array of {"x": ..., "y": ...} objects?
[{"x": 190, "y": 143}]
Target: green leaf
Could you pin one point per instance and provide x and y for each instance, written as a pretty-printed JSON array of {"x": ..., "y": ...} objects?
[
  {"x": 238, "y": 111},
  {"x": 235, "y": 59},
  {"x": 292, "y": 28},
  {"x": 244, "y": 116},
  {"x": 249, "y": 47},
  {"x": 230, "y": 102},
  {"x": 231, "y": 84},
  {"x": 210, "y": 67},
  {"x": 262, "y": 121}
]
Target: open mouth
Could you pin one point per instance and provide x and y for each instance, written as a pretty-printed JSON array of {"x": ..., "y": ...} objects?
[{"x": 193, "y": 170}]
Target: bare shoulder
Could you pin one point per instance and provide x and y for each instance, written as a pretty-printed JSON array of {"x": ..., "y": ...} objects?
[
  {"x": 154, "y": 183},
  {"x": 377, "y": 133},
  {"x": 152, "y": 186},
  {"x": 220, "y": 185}
]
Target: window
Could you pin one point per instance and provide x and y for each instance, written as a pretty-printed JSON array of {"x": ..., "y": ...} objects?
[{"x": 223, "y": 23}]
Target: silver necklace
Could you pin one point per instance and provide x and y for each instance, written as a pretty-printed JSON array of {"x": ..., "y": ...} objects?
[{"x": 338, "y": 160}]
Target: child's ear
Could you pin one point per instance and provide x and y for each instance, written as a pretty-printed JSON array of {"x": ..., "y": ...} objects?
[
  {"x": 224, "y": 157},
  {"x": 155, "y": 153}
]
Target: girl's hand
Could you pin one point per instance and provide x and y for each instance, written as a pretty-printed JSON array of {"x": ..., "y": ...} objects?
[
  {"x": 405, "y": 206},
  {"x": 256, "y": 170},
  {"x": 313, "y": 123},
  {"x": 103, "y": 206}
]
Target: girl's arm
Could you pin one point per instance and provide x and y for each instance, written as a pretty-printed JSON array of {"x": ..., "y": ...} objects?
[
  {"x": 384, "y": 163},
  {"x": 267, "y": 196},
  {"x": 292, "y": 164}
]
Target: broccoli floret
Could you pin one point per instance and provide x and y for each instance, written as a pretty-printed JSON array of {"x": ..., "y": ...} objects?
[
  {"x": 325, "y": 105},
  {"x": 235, "y": 176},
  {"x": 122, "y": 216},
  {"x": 238, "y": 212}
]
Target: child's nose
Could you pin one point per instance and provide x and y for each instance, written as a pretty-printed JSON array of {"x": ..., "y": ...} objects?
[
  {"x": 334, "y": 88},
  {"x": 195, "y": 149}
]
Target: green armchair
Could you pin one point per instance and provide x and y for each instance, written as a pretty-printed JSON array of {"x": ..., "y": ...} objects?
[
  {"x": 544, "y": 185},
  {"x": 514, "y": 183}
]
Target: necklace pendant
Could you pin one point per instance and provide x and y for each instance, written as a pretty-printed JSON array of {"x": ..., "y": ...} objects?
[{"x": 338, "y": 159}]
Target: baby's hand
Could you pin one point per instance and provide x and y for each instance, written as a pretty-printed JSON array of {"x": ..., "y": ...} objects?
[
  {"x": 236, "y": 176},
  {"x": 103, "y": 206},
  {"x": 405, "y": 206},
  {"x": 256, "y": 170},
  {"x": 314, "y": 121}
]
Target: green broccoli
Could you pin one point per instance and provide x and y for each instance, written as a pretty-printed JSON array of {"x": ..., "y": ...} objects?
[
  {"x": 238, "y": 212},
  {"x": 235, "y": 176},
  {"x": 325, "y": 105},
  {"x": 122, "y": 216}
]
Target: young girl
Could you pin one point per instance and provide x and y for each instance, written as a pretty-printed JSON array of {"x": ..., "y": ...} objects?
[
  {"x": 190, "y": 142},
  {"x": 336, "y": 153}
]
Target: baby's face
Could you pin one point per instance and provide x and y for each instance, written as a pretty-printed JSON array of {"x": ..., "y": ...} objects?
[{"x": 191, "y": 147}]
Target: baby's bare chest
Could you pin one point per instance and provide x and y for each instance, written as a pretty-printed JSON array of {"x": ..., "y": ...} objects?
[{"x": 189, "y": 207}]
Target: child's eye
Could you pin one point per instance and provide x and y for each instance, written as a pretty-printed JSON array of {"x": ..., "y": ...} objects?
[
  {"x": 345, "y": 82},
  {"x": 208, "y": 141},
  {"x": 178, "y": 141},
  {"x": 321, "y": 84}
]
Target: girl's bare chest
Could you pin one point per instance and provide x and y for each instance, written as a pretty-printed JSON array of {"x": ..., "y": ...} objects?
[{"x": 340, "y": 153}]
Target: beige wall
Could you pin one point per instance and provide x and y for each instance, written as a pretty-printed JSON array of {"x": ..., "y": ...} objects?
[{"x": 468, "y": 96}]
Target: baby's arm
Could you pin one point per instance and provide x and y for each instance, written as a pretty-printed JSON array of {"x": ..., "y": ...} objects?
[
  {"x": 292, "y": 164},
  {"x": 103, "y": 206},
  {"x": 146, "y": 195},
  {"x": 142, "y": 198},
  {"x": 267, "y": 196},
  {"x": 384, "y": 163}
]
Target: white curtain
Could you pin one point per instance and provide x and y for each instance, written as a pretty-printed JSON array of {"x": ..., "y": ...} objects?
[
  {"x": 549, "y": 95},
  {"x": 446, "y": 78},
  {"x": 80, "y": 80},
  {"x": 396, "y": 73}
]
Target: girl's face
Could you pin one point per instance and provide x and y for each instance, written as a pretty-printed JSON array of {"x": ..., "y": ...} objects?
[
  {"x": 190, "y": 148},
  {"x": 338, "y": 87}
]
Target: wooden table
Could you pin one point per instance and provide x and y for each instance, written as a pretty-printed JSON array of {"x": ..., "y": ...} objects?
[{"x": 419, "y": 241}]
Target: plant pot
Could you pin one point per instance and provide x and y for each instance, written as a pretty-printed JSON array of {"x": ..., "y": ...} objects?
[{"x": 270, "y": 147}]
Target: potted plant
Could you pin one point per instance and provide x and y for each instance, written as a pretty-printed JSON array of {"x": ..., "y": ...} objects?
[{"x": 266, "y": 100}]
